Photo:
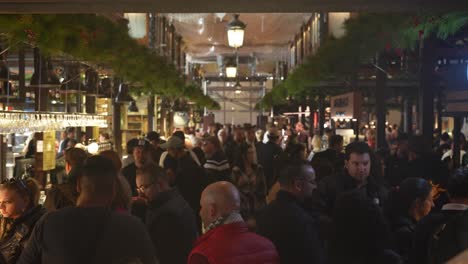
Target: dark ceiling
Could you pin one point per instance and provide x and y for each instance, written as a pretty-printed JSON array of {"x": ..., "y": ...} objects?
[{"x": 232, "y": 6}]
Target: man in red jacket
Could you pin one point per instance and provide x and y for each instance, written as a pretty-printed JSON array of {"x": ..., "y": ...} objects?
[{"x": 227, "y": 239}]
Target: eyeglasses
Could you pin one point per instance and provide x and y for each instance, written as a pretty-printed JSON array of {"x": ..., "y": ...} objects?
[{"x": 143, "y": 187}]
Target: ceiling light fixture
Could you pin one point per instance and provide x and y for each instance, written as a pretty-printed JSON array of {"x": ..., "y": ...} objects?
[
  {"x": 235, "y": 31},
  {"x": 231, "y": 69}
]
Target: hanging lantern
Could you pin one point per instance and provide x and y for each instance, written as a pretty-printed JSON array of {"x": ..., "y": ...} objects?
[
  {"x": 5, "y": 76},
  {"x": 238, "y": 87},
  {"x": 133, "y": 107},
  {"x": 43, "y": 76},
  {"x": 122, "y": 95},
  {"x": 231, "y": 69},
  {"x": 91, "y": 82},
  {"x": 235, "y": 31},
  {"x": 72, "y": 82},
  {"x": 105, "y": 88}
]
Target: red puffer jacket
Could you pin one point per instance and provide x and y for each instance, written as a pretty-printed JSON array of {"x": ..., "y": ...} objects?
[{"x": 233, "y": 243}]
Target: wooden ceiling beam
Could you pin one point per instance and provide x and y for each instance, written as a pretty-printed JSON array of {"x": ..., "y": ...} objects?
[{"x": 238, "y": 6}]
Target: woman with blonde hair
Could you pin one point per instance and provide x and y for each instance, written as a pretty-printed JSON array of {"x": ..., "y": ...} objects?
[{"x": 20, "y": 211}]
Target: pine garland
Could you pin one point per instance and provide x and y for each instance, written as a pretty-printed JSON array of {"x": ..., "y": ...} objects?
[
  {"x": 366, "y": 35},
  {"x": 96, "y": 39}
]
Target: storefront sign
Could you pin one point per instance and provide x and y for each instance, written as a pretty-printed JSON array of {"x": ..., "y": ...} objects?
[
  {"x": 49, "y": 151},
  {"x": 345, "y": 106}
]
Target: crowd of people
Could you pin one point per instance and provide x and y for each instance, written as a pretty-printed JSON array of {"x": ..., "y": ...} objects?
[{"x": 242, "y": 195}]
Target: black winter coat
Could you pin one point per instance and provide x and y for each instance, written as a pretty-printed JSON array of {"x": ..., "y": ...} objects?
[
  {"x": 332, "y": 186},
  {"x": 426, "y": 228},
  {"x": 190, "y": 181},
  {"x": 129, "y": 172},
  {"x": 403, "y": 231},
  {"x": 430, "y": 168},
  {"x": 172, "y": 227},
  {"x": 331, "y": 157},
  {"x": 269, "y": 154},
  {"x": 292, "y": 230},
  {"x": 15, "y": 234}
]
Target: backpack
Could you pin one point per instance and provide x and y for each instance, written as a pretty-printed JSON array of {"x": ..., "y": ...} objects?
[{"x": 449, "y": 238}]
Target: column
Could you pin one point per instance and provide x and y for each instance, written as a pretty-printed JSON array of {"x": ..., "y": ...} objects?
[
  {"x": 90, "y": 109},
  {"x": 380, "y": 110},
  {"x": 116, "y": 121},
  {"x": 321, "y": 114},
  {"x": 21, "y": 74},
  {"x": 407, "y": 115},
  {"x": 456, "y": 141},
  {"x": 151, "y": 104},
  {"x": 426, "y": 92}
]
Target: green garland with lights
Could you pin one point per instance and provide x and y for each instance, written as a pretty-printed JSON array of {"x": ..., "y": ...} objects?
[
  {"x": 366, "y": 34},
  {"x": 97, "y": 39}
]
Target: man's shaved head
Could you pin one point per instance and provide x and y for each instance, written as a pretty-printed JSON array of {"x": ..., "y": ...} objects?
[{"x": 218, "y": 199}]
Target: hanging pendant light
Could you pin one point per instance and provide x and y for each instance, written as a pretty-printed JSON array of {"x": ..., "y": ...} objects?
[
  {"x": 43, "y": 76},
  {"x": 4, "y": 71},
  {"x": 235, "y": 31},
  {"x": 122, "y": 95},
  {"x": 91, "y": 82},
  {"x": 5, "y": 76},
  {"x": 72, "y": 82},
  {"x": 238, "y": 87},
  {"x": 105, "y": 88},
  {"x": 133, "y": 107},
  {"x": 231, "y": 69}
]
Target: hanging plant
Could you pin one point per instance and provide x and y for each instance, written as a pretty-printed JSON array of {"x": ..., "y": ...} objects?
[
  {"x": 96, "y": 39},
  {"x": 366, "y": 34}
]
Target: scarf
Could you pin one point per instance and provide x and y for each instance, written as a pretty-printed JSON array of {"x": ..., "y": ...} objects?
[{"x": 224, "y": 220}]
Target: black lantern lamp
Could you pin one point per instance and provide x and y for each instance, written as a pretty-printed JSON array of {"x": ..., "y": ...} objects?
[
  {"x": 122, "y": 95},
  {"x": 91, "y": 82},
  {"x": 231, "y": 69},
  {"x": 4, "y": 71},
  {"x": 44, "y": 75},
  {"x": 235, "y": 31},
  {"x": 133, "y": 107},
  {"x": 105, "y": 88},
  {"x": 238, "y": 87},
  {"x": 5, "y": 77},
  {"x": 72, "y": 82}
]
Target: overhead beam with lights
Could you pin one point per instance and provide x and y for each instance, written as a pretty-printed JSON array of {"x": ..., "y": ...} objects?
[{"x": 213, "y": 6}]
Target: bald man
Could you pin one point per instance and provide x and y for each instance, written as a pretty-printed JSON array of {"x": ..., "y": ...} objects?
[{"x": 227, "y": 238}]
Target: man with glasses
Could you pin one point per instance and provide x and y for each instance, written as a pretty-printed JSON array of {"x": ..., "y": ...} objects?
[
  {"x": 286, "y": 222},
  {"x": 170, "y": 220}
]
